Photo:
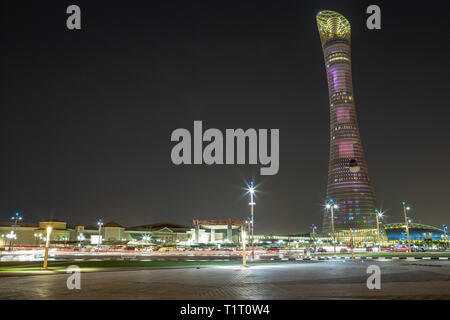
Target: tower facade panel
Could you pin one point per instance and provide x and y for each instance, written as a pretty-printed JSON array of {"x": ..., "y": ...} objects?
[{"x": 349, "y": 184}]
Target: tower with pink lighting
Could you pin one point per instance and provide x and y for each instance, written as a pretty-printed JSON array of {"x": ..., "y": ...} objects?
[{"x": 349, "y": 185}]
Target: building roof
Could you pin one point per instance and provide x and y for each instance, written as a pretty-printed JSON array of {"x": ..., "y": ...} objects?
[
  {"x": 233, "y": 222},
  {"x": 401, "y": 225},
  {"x": 20, "y": 224},
  {"x": 158, "y": 226},
  {"x": 113, "y": 224},
  {"x": 52, "y": 220}
]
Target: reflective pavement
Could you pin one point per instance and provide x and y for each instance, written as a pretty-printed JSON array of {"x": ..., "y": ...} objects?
[{"x": 290, "y": 280}]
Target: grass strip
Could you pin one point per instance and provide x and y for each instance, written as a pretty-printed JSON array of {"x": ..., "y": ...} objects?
[{"x": 124, "y": 264}]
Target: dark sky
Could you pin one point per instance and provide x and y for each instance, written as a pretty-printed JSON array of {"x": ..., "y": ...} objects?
[{"x": 86, "y": 116}]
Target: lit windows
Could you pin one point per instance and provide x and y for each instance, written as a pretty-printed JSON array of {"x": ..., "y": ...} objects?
[{"x": 337, "y": 56}]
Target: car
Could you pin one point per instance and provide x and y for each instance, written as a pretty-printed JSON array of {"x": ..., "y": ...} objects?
[
  {"x": 369, "y": 249},
  {"x": 321, "y": 250},
  {"x": 400, "y": 248}
]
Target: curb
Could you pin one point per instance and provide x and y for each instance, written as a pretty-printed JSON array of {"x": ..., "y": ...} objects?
[{"x": 367, "y": 258}]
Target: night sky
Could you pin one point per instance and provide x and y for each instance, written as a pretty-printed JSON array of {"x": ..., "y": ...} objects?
[{"x": 86, "y": 116}]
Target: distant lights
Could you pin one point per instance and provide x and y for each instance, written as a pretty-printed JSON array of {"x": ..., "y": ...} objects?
[
  {"x": 16, "y": 216},
  {"x": 11, "y": 235}
]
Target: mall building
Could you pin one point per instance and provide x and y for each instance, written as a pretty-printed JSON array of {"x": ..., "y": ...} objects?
[
  {"x": 226, "y": 231},
  {"x": 200, "y": 232},
  {"x": 34, "y": 234}
]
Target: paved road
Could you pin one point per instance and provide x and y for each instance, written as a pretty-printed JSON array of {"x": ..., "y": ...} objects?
[{"x": 293, "y": 280}]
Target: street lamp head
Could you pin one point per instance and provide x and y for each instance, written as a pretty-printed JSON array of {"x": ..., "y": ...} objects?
[
  {"x": 380, "y": 214},
  {"x": 408, "y": 208},
  {"x": 49, "y": 229},
  {"x": 328, "y": 206},
  {"x": 335, "y": 206},
  {"x": 251, "y": 190}
]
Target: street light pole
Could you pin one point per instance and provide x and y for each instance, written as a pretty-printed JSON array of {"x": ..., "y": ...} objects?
[
  {"x": 49, "y": 230},
  {"x": 15, "y": 218},
  {"x": 406, "y": 208},
  {"x": 11, "y": 236},
  {"x": 313, "y": 227},
  {"x": 351, "y": 244},
  {"x": 331, "y": 205},
  {"x": 252, "y": 203},
  {"x": 378, "y": 215},
  {"x": 446, "y": 234},
  {"x": 244, "y": 258},
  {"x": 100, "y": 224}
]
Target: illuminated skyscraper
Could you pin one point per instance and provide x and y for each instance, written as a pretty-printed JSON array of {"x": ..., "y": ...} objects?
[{"x": 349, "y": 184}]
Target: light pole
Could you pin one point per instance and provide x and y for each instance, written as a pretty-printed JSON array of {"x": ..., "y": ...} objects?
[
  {"x": 446, "y": 234},
  {"x": 244, "y": 258},
  {"x": 331, "y": 205},
  {"x": 406, "y": 208},
  {"x": 351, "y": 244},
  {"x": 49, "y": 230},
  {"x": 100, "y": 224},
  {"x": 314, "y": 228},
  {"x": 379, "y": 215},
  {"x": 16, "y": 217},
  {"x": 251, "y": 189},
  {"x": 11, "y": 237}
]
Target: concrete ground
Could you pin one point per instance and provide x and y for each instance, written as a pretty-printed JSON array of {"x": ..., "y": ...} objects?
[{"x": 291, "y": 280}]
